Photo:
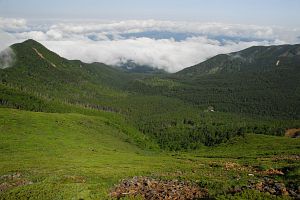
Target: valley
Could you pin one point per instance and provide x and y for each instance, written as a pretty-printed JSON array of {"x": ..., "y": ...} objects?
[{"x": 74, "y": 130}]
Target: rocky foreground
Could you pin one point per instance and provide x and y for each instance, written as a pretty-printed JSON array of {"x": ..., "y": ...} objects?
[
  {"x": 272, "y": 187},
  {"x": 149, "y": 188}
]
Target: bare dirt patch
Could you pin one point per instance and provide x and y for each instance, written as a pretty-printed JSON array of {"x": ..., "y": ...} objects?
[
  {"x": 42, "y": 56},
  {"x": 272, "y": 172},
  {"x": 10, "y": 181},
  {"x": 237, "y": 167},
  {"x": 74, "y": 179},
  {"x": 38, "y": 53},
  {"x": 293, "y": 133}
]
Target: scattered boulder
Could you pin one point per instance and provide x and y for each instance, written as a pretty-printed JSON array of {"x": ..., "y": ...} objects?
[
  {"x": 149, "y": 188},
  {"x": 294, "y": 158},
  {"x": 270, "y": 186},
  {"x": 272, "y": 172}
]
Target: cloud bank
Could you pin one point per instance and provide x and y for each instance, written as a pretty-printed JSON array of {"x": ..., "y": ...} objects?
[{"x": 167, "y": 45}]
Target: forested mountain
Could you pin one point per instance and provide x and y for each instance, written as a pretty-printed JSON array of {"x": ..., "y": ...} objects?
[
  {"x": 259, "y": 80},
  {"x": 255, "y": 90},
  {"x": 253, "y": 59}
]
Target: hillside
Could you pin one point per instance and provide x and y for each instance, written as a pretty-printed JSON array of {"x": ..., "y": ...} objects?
[
  {"x": 74, "y": 156},
  {"x": 173, "y": 110},
  {"x": 73, "y": 130},
  {"x": 259, "y": 81},
  {"x": 254, "y": 59},
  {"x": 149, "y": 100}
]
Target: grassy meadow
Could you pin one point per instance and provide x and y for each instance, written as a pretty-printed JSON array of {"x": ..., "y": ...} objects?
[{"x": 75, "y": 156}]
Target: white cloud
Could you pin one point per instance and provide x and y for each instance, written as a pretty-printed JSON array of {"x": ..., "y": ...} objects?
[
  {"x": 36, "y": 35},
  {"x": 165, "y": 54},
  {"x": 6, "y": 40},
  {"x": 112, "y": 42},
  {"x": 136, "y": 26},
  {"x": 10, "y": 24},
  {"x": 7, "y": 58},
  {"x": 54, "y": 34}
]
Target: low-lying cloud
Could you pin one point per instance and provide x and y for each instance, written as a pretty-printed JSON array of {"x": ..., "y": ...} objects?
[
  {"x": 168, "y": 45},
  {"x": 166, "y": 54},
  {"x": 7, "y": 58}
]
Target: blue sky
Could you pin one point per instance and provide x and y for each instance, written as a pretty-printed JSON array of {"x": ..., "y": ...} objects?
[{"x": 260, "y": 12}]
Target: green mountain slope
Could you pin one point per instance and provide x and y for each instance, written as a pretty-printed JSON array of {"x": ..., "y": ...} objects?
[
  {"x": 43, "y": 73},
  {"x": 257, "y": 81},
  {"x": 254, "y": 59},
  {"x": 70, "y": 154},
  {"x": 175, "y": 110},
  {"x": 74, "y": 156},
  {"x": 72, "y": 130}
]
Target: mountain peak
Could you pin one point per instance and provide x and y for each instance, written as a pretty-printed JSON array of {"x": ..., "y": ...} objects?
[
  {"x": 32, "y": 43},
  {"x": 31, "y": 51},
  {"x": 29, "y": 45}
]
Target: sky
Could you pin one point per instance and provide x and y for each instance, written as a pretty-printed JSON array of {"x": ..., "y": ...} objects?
[
  {"x": 261, "y": 12},
  {"x": 165, "y": 34}
]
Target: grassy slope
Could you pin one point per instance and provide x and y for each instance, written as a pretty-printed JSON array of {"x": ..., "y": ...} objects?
[
  {"x": 70, "y": 144},
  {"x": 78, "y": 156}
]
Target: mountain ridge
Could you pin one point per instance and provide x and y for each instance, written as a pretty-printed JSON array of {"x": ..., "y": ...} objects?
[{"x": 262, "y": 56}]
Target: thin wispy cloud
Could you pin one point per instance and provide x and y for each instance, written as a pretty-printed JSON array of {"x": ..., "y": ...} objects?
[{"x": 168, "y": 45}]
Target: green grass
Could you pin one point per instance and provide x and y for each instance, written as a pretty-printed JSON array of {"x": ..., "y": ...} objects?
[
  {"x": 48, "y": 147},
  {"x": 243, "y": 147},
  {"x": 73, "y": 156}
]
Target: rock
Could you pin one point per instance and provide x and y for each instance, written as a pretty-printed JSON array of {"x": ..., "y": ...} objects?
[
  {"x": 270, "y": 186},
  {"x": 292, "y": 193},
  {"x": 259, "y": 186},
  {"x": 272, "y": 172},
  {"x": 266, "y": 188},
  {"x": 285, "y": 193},
  {"x": 271, "y": 190},
  {"x": 237, "y": 189},
  {"x": 279, "y": 186},
  {"x": 149, "y": 188}
]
